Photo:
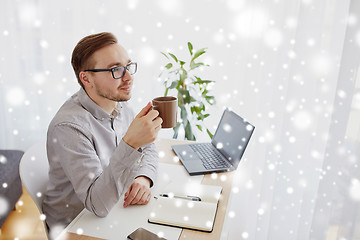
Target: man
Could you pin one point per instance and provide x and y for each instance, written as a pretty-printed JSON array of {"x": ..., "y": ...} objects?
[{"x": 97, "y": 149}]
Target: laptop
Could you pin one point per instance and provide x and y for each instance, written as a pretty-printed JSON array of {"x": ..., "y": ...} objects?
[{"x": 225, "y": 150}]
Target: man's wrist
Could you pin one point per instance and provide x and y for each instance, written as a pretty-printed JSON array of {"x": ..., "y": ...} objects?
[
  {"x": 148, "y": 180},
  {"x": 131, "y": 144}
]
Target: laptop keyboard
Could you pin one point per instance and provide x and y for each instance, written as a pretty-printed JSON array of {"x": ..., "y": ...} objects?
[{"x": 209, "y": 157}]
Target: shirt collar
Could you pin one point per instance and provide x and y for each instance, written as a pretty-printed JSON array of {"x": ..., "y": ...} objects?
[{"x": 95, "y": 109}]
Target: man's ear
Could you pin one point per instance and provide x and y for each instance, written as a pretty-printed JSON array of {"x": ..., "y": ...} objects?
[{"x": 85, "y": 79}]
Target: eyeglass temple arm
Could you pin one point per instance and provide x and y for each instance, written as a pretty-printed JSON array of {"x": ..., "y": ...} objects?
[{"x": 98, "y": 70}]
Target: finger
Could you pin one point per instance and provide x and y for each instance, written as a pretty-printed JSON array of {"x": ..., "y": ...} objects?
[
  {"x": 131, "y": 196},
  {"x": 152, "y": 114},
  {"x": 147, "y": 197},
  {"x": 143, "y": 199},
  {"x": 138, "y": 199},
  {"x": 157, "y": 129},
  {"x": 127, "y": 193},
  {"x": 158, "y": 121},
  {"x": 144, "y": 111}
]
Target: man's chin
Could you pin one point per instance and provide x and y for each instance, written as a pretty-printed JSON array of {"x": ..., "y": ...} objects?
[{"x": 124, "y": 97}]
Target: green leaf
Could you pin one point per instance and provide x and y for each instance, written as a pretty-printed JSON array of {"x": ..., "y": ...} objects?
[
  {"x": 209, "y": 97},
  {"x": 185, "y": 95},
  {"x": 183, "y": 72},
  {"x": 176, "y": 130},
  {"x": 183, "y": 113},
  {"x": 188, "y": 132},
  {"x": 209, "y": 133},
  {"x": 187, "y": 99},
  {"x": 192, "y": 99},
  {"x": 203, "y": 82},
  {"x": 204, "y": 93},
  {"x": 195, "y": 65},
  {"x": 199, "y": 127},
  {"x": 174, "y": 84},
  {"x": 165, "y": 55},
  {"x": 174, "y": 57},
  {"x": 168, "y": 66},
  {"x": 200, "y": 81},
  {"x": 182, "y": 63},
  {"x": 194, "y": 109},
  {"x": 190, "y": 46},
  {"x": 198, "y": 53}
]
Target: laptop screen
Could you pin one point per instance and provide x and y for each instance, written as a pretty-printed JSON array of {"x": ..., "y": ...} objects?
[{"x": 232, "y": 136}]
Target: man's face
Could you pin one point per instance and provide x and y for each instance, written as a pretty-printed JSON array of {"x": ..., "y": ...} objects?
[{"x": 105, "y": 85}]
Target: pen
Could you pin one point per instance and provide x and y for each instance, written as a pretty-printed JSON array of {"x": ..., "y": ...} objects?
[{"x": 192, "y": 198}]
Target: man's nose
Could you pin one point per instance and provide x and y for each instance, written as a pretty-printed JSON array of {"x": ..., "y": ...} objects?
[{"x": 127, "y": 76}]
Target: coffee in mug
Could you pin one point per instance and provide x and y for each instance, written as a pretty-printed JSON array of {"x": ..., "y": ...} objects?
[{"x": 167, "y": 108}]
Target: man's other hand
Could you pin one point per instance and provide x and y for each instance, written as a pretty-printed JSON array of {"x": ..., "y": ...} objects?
[
  {"x": 139, "y": 192},
  {"x": 144, "y": 128}
]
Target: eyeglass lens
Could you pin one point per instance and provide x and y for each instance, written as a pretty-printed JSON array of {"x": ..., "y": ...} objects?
[{"x": 120, "y": 71}]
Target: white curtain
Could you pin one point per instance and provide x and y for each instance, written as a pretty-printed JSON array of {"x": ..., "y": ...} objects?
[
  {"x": 301, "y": 179},
  {"x": 288, "y": 66}
]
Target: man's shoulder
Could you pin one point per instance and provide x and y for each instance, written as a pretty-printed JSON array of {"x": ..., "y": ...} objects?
[{"x": 72, "y": 113}]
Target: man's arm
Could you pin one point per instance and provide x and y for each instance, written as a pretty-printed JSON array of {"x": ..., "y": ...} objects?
[
  {"x": 139, "y": 191},
  {"x": 146, "y": 174},
  {"x": 98, "y": 188}
]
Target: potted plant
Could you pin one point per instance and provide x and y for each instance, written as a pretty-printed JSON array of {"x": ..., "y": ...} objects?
[{"x": 191, "y": 90}]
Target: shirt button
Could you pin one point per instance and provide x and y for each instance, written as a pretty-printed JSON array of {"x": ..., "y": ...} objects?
[
  {"x": 139, "y": 160},
  {"x": 102, "y": 118}
]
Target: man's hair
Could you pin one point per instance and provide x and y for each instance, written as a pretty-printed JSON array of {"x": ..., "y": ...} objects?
[{"x": 81, "y": 55}]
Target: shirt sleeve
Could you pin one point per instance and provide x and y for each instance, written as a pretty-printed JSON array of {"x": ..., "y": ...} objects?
[
  {"x": 149, "y": 163},
  {"x": 98, "y": 187}
]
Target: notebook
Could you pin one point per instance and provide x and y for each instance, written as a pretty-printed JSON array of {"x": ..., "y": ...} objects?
[
  {"x": 192, "y": 207},
  {"x": 224, "y": 153}
]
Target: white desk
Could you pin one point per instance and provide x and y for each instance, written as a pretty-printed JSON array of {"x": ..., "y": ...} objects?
[{"x": 116, "y": 226}]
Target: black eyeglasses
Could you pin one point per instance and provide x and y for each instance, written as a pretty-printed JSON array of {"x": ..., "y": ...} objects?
[{"x": 117, "y": 72}]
